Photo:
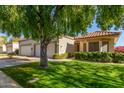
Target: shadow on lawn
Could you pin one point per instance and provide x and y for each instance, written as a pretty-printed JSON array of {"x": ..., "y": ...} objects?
[{"x": 74, "y": 74}]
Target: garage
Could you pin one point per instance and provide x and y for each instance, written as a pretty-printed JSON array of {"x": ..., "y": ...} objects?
[
  {"x": 37, "y": 50},
  {"x": 9, "y": 49},
  {"x": 26, "y": 50},
  {"x": 50, "y": 50}
]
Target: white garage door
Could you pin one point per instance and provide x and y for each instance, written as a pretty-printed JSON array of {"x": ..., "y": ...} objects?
[
  {"x": 25, "y": 50},
  {"x": 9, "y": 49},
  {"x": 37, "y": 50},
  {"x": 50, "y": 50}
]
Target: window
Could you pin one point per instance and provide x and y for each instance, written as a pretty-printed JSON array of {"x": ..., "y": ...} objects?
[{"x": 93, "y": 46}]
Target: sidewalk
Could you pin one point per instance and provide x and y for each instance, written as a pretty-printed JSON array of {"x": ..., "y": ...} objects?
[
  {"x": 38, "y": 59},
  {"x": 7, "y": 82}
]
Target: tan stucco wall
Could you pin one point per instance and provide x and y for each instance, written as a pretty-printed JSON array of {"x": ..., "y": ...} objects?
[
  {"x": 66, "y": 45},
  {"x": 4, "y": 48},
  {"x": 111, "y": 45}
]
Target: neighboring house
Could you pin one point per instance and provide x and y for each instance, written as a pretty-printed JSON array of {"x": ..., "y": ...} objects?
[
  {"x": 11, "y": 47},
  {"x": 119, "y": 49},
  {"x": 3, "y": 48},
  {"x": 32, "y": 48},
  {"x": 102, "y": 41}
]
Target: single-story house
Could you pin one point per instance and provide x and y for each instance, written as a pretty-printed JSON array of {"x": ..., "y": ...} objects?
[
  {"x": 30, "y": 47},
  {"x": 3, "y": 48},
  {"x": 102, "y": 41},
  {"x": 12, "y": 47}
]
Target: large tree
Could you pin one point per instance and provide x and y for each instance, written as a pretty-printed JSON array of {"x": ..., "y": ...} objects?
[
  {"x": 46, "y": 23},
  {"x": 110, "y": 16}
]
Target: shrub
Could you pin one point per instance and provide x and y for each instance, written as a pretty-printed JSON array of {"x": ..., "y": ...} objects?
[
  {"x": 118, "y": 58},
  {"x": 10, "y": 55},
  {"x": 105, "y": 57},
  {"x": 100, "y": 56},
  {"x": 16, "y": 51},
  {"x": 70, "y": 55},
  {"x": 60, "y": 56},
  {"x": 77, "y": 55}
]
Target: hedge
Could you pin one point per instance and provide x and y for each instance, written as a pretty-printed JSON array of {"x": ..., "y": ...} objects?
[
  {"x": 63, "y": 56},
  {"x": 100, "y": 56},
  {"x": 60, "y": 56}
]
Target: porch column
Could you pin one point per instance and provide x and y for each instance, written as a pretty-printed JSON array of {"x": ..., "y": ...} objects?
[
  {"x": 100, "y": 46},
  {"x": 81, "y": 46},
  {"x": 87, "y": 46}
]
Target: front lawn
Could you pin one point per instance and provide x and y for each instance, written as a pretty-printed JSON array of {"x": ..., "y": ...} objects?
[
  {"x": 3, "y": 54},
  {"x": 69, "y": 74}
]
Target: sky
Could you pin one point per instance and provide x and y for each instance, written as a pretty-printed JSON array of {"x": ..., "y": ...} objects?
[{"x": 94, "y": 27}]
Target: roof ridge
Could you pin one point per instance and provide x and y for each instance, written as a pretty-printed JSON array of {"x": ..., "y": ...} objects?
[{"x": 100, "y": 33}]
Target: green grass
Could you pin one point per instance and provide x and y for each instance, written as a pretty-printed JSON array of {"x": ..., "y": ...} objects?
[{"x": 69, "y": 74}]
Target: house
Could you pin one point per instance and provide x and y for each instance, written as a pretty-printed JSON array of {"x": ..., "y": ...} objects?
[
  {"x": 12, "y": 47},
  {"x": 30, "y": 47},
  {"x": 101, "y": 41},
  {"x": 3, "y": 48},
  {"x": 119, "y": 49}
]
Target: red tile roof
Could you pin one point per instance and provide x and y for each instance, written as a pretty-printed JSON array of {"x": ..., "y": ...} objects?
[{"x": 98, "y": 34}]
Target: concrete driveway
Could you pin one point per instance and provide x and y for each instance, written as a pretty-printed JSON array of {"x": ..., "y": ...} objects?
[{"x": 6, "y": 62}]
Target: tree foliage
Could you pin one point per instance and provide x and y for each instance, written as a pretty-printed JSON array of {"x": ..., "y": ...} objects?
[
  {"x": 26, "y": 19},
  {"x": 56, "y": 21},
  {"x": 108, "y": 17},
  {"x": 3, "y": 40},
  {"x": 75, "y": 19}
]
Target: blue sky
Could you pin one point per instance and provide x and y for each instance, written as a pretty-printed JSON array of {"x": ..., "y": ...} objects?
[{"x": 94, "y": 27}]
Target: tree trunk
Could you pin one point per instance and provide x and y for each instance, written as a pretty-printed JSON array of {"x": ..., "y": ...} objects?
[{"x": 43, "y": 55}]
